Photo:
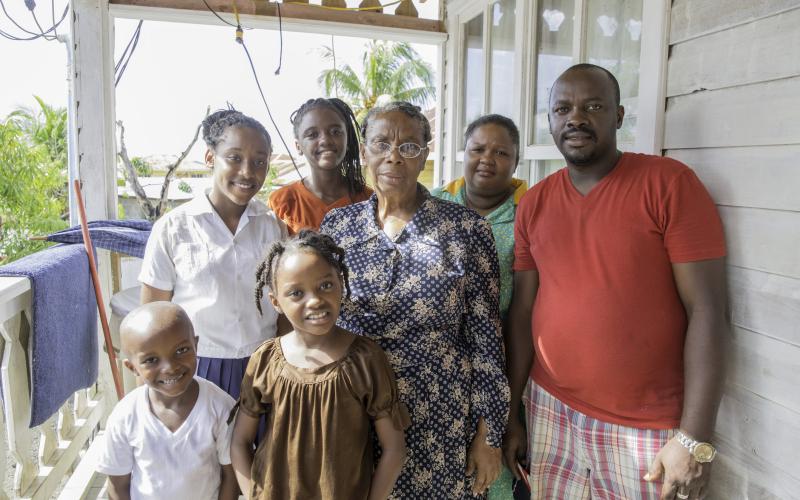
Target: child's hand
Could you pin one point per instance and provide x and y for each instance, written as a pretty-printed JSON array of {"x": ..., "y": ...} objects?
[
  {"x": 393, "y": 456},
  {"x": 483, "y": 461},
  {"x": 228, "y": 489}
]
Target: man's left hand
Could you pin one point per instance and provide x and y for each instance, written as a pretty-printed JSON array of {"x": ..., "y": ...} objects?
[{"x": 684, "y": 477}]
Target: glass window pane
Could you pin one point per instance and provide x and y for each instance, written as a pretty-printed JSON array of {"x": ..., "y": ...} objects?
[
  {"x": 548, "y": 167},
  {"x": 554, "y": 55},
  {"x": 613, "y": 41},
  {"x": 502, "y": 76},
  {"x": 473, "y": 71}
]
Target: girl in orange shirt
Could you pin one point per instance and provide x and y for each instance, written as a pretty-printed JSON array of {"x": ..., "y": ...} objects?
[{"x": 325, "y": 132}]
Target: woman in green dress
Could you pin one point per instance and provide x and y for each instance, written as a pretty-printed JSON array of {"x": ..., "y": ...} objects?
[{"x": 491, "y": 154}]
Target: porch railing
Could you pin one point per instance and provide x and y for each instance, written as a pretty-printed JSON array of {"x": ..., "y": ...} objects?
[{"x": 43, "y": 457}]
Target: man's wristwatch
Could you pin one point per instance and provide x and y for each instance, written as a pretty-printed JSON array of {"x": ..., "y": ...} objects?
[{"x": 702, "y": 452}]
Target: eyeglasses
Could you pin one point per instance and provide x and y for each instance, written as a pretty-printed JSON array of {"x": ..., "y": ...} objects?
[{"x": 406, "y": 150}]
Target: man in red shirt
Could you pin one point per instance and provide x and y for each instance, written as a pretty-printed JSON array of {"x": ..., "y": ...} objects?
[{"x": 619, "y": 313}]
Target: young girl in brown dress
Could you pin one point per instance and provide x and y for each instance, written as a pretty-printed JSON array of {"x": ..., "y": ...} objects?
[{"x": 321, "y": 388}]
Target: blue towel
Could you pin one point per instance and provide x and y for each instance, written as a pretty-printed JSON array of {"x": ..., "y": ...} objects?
[
  {"x": 64, "y": 330},
  {"x": 124, "y": 236}
]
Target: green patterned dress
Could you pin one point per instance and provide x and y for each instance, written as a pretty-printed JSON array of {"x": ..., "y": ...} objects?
[{"x": 502, "y": 222}]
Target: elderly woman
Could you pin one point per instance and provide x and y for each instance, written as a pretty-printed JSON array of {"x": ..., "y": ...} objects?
[
  {"x": 424, "y": 279},
  {"x": 491, "y": 154}
]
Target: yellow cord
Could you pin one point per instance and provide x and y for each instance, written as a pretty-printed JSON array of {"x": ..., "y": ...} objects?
[
  {"x": 239, "y": 31},
  {"x": 346, "y": 8},
  {"x": 236, "y": 12}
]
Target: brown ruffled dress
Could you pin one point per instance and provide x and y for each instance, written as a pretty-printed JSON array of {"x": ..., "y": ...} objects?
[{"x": 318, "y": 443}]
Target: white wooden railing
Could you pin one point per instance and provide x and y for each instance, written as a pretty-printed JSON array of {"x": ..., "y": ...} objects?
[{"x": 42, "y": 458}]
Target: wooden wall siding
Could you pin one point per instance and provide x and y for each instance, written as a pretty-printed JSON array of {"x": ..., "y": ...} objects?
[
  {"x": 735, "y": 56},
  {"x": 765, "y": 303},
  {"x": 733, "y": 98},
  {"x": 763, "y": 240},
  {"x": 752, "y": 463},
  {"x": 770, "y": 173},
  {"x": 693, "y": 18},
  {"x": 748, "y": 115},
  {"x": 767, "y": 367}
]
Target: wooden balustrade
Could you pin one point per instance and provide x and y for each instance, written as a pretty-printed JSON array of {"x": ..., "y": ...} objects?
[{"x": 44, "y": 456}]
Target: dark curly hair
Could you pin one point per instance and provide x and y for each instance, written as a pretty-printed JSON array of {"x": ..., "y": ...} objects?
[
  {"x": 304, "y": 241},
  {"x": 351, "y": 165},
  {"x": 217, "y": 122}
]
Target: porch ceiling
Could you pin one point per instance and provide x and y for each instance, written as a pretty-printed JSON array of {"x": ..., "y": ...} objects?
[{"x": 294, "y": 17}]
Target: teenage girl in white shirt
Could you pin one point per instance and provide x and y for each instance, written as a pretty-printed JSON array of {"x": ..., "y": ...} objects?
[{"x": 203, "y": 255}]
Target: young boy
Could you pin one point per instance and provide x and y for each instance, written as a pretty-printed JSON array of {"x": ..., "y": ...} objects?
[{"x": 168, "y": 438}]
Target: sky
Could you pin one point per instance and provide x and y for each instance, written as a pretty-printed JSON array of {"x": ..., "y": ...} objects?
[{"x": 177, "y": 71}]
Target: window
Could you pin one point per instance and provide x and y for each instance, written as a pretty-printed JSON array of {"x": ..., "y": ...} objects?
[
  {"x": 488, "y": 82},
  {"x": 489, "y": 74},
  {"x": 474, "y": 70},
  {"x": 529, "y": 43},
  {"x": 501, "y": 81}
]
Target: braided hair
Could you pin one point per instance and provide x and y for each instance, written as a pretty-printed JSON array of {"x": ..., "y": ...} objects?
[
  {"x": 304, "y": 241},
  {"x": 215, "y": 124},
  {"x": 351, "y": 165}
]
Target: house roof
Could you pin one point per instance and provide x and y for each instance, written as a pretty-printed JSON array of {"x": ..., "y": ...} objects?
[{"x": 152, "y": 187}]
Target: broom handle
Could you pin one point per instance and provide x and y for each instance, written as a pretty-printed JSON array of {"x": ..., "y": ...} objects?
[{"x": 101, "y": 306}]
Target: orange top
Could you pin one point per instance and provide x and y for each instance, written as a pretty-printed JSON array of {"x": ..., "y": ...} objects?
[
  {"x": 300, "y": 209},
  {"x": 608, "y": 324}
]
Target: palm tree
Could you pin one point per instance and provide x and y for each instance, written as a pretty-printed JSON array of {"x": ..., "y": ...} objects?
[
  {"x": 392, "y": 72},
  {"x": 46, "y": 126}
]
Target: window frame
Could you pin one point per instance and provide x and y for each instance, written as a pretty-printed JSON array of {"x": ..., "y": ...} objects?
[{"x": 652, "y": 77}]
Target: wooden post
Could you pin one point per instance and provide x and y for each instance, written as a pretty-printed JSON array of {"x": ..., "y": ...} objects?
[{"x": 93, "y": 94}]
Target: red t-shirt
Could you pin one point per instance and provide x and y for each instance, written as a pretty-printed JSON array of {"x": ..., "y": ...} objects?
[{"x": 608, "y": 324}]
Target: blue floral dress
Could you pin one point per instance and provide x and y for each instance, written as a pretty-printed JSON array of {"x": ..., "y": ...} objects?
[{"x": 429, "y": 298}]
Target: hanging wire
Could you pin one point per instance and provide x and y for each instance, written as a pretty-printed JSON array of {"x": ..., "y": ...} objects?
[
  {"x": 15, "y": 23},
  {"x": 240, "y": 41},
  {"x": 127, "y": 48},
  {"x": 35, "y": 36},
  {"x": 126, "y": 55},
  {"x": 53, "y": 16},
  {"x": 280, "y": 37},
  {"x": 41, "y": 30},
  {"x": 220, "y": 17}
]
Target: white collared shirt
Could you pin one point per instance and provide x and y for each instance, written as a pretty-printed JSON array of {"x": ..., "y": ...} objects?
[{"x": 212, "y": 273}]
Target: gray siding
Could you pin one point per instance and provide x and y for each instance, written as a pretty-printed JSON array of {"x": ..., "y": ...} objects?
[{"x": 733, "y": 114}]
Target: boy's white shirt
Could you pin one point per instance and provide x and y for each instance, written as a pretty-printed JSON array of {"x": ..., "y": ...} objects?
[
  {"x": 211, "y": 273},
  {"x": 185, "y": 464}
]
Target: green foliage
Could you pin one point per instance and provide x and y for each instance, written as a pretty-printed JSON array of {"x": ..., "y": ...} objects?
[
  {"x": 46, "y": 127},
  {"x": 269, "y": 183},
  {"x": 392, "y": 72},
  {"x": 184, "y": 186},
  {"x": 143, "y": 167},
  {"x": 33, "y": 178}
]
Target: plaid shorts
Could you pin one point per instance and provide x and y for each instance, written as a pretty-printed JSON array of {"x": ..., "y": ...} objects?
[{"x": 574, "y": 457}]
